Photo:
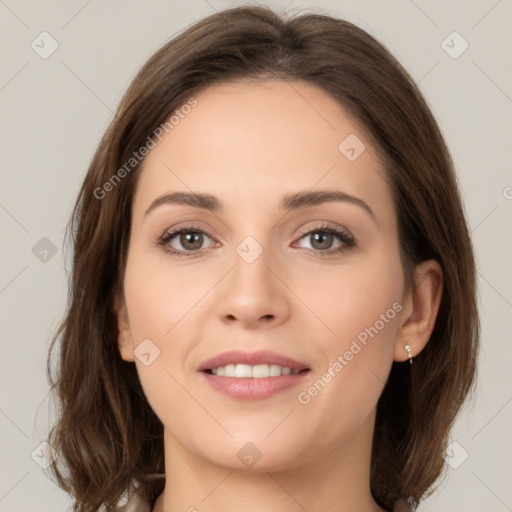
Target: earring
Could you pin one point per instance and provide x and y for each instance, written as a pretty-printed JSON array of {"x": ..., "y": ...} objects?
[{"x": 409, "y": 353}]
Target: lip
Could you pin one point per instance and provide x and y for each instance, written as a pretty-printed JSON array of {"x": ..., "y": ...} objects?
[
  {"x": 253, "y": 389},
  {"x": 251, "y": 358},
  {"x": 250, "y": 388}
]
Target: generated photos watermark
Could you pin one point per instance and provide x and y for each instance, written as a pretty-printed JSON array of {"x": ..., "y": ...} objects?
[
  {"x": 361, "y": 340},
  {"x": 138, "y": 156}
]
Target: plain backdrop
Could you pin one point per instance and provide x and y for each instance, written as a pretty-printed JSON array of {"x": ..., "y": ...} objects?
[{"x": 53, "y": 111}]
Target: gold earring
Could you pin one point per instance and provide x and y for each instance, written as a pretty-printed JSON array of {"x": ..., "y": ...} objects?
[{"x": 409, "y": 353}]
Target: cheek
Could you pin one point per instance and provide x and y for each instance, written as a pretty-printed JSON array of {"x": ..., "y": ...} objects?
[
  {"x": 158, "y": 304},
  {"x": 354, "y": 298},
  {"x": 358, "y": 306},
  {"x": 167, "y": 306},
  {"x": 157, "y": 299},
  {"x": 361, "y": 308}
]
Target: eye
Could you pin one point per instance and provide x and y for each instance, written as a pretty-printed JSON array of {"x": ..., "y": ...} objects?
[
  {"x": 185, "y": 241},
  {"x": 327, "y": 240},
  {"x": 190, "y": 240}
]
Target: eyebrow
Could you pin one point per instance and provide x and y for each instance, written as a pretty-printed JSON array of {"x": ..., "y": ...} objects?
[{"x": 292, "y": 201}]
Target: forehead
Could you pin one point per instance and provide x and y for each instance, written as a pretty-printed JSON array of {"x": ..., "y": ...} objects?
[{"x": 251, "y": 141}]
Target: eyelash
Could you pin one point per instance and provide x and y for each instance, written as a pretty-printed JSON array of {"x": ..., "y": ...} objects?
[{"x": 347, "y": 239}]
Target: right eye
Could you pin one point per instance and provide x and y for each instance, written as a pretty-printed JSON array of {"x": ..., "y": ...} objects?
[{"x": 185, "y": 241}]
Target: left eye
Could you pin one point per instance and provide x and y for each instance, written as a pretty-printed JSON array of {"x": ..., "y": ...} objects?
[{"x": 327, "y": 239}]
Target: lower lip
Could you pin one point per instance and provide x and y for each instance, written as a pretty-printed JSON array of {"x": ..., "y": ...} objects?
[{"x": 253, "y": 389}]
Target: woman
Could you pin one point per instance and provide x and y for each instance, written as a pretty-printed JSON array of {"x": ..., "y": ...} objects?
[{"x": 272, "y": 303}]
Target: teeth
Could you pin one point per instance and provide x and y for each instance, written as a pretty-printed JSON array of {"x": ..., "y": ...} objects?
[
  {"x": 239, "y": 370},
  {"x": 275, "y": 370},
  {"x": 259, "y": 371}
]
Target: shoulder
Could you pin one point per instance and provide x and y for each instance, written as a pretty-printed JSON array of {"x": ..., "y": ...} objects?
[{"x": 135, "y": 504}]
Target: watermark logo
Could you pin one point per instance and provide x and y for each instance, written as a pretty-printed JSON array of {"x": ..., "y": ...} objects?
[
  {"x": 146, "y": 352},
  {"x": 454, "y": 45},
  {"x": 249, "y": 249},
  {"x": 44, "y": 455},
  {"x": 455, "y": 455},
  {"x": 249, "y": 455},
  {"x": 44, "y": 45},
  {"x": 351, "y": 147},
  {"x": 44, "y": 250}
]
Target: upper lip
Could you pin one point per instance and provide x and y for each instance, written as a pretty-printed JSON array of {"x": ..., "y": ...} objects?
[{"x": 251, "y": 358}]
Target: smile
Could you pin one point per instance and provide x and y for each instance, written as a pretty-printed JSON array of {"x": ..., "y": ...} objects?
[{"x": 252, "y": 375}]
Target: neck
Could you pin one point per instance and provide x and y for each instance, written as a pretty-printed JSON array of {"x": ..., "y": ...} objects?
[{"x": 336, "y": 480}]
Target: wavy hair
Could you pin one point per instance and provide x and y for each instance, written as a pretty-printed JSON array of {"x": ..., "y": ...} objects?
[{"x": 106, "y": 434}]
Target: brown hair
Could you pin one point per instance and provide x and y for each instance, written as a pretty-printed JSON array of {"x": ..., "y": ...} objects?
[{"x": 106, "y": 434}]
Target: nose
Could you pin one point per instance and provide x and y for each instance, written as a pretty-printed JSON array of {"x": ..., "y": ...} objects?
[{"x": 253, "y": 295}]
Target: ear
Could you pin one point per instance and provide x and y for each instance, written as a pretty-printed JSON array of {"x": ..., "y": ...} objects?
[
  {"x": 124, "y": 336},
  {"x": 420, "y": 310}
]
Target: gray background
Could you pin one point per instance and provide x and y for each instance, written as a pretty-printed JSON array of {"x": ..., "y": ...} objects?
[{"x": 54, "y": 111}]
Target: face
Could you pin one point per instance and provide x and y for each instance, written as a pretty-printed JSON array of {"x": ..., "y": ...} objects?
[{"x": 291, "y": 260}]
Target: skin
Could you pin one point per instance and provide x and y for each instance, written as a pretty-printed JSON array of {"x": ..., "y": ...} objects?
[{"x": 248, "y": 143}]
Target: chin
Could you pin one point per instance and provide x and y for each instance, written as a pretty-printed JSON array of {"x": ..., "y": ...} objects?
[{"x": 253, "y": 452}]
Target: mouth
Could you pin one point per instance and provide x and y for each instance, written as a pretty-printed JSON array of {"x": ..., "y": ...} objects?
[{"x": 252, "y": 375}]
